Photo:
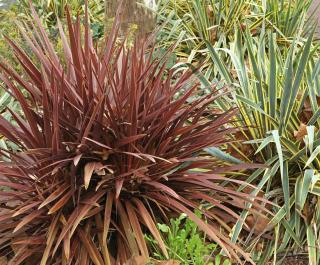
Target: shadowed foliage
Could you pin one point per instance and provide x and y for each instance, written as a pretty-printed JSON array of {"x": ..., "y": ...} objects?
[{"x": 106, "y": 148}]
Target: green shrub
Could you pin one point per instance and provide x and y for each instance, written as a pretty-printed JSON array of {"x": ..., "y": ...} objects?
[{"x": 186, "y": 243}]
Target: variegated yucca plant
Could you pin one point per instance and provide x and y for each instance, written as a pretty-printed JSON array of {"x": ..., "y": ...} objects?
[
  {"x": 277, "y": 92},
  {"x": 264, "y": 51}
]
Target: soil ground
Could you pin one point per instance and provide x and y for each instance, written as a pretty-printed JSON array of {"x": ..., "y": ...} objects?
[{"x": 296, "y": 261}]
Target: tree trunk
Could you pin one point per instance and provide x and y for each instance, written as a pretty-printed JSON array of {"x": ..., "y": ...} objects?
[{"x": 134, "y": 15}]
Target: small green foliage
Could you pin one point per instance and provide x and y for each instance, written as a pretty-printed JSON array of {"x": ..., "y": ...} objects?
[{"x": 186, "y": 243}]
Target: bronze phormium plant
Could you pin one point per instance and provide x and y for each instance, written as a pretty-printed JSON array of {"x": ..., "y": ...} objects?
[{"x": 106, "y": 149}]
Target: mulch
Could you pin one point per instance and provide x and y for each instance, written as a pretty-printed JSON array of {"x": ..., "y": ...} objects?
[{"x": 296, "y": 261}]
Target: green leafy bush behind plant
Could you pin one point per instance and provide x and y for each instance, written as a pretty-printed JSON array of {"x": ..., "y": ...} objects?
[{"x": 50, "y": 11}]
